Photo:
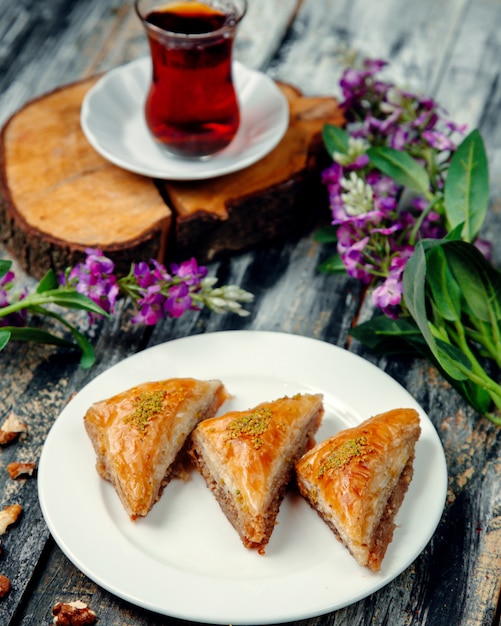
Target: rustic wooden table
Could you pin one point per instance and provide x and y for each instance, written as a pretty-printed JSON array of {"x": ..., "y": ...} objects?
[{"x": 449, "y": 50}]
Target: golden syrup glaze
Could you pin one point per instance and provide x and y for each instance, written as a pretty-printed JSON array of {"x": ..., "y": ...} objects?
[
  {"x": 132, "y": 430},
  {"x": 348, "y": 473},
  {"x": 249, "y": 446}
]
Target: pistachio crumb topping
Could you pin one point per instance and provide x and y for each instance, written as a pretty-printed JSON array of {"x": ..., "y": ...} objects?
[
  {"x": 251, "y": 425},
  {"x": 342, "y": 455},
  {"x": 148, "y": 406}
]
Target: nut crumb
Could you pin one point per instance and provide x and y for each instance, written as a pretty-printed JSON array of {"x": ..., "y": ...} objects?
[
  {"x": 11, "y": 429},
  {"x": 73, "y": 614},
  {"x": 16, "y": 469},
  {"x": 8, "y": 516},
  {"x": 4, "y": 586}
]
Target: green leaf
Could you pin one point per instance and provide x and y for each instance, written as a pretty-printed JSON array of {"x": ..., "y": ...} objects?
[
  {"x": 453, "y": 358},
  {"x": 36, "y": 335},
  {"x": 48, "y": 282},
  {"x": 474, "y": 394},
  {"x": 388, "y": 336},
  {"x": 72, "y": 300},
  {"x": 479, "y": 281},
  {"x": 326, "y": 234},
  {"x": 4, "y": 338},
  {"x": 88, "y": 357},
  {"x": 444, "y": 289},
  {"x": 401, "y": 167},
  {"x": 4, "y": 267},
  {"x": 335, "y": 139},
  {"x": 466, "y": 191},
  {"x": 414, "y": 292},
  {"x": 455, "y": 233},
  {"x": 332, "y": 265}
]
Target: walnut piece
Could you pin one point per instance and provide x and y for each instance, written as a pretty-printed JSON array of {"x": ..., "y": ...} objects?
[
  {"x": 16, "y": 469},
  {"x": 8, "y": 516},
  {"x": 11, "y": 429},
  {"x": 73, "y": 614},
  {"x": 4, "y": 586}
]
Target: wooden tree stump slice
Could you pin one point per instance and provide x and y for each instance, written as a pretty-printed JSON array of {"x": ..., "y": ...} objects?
[{"x": 58, "y": 196}]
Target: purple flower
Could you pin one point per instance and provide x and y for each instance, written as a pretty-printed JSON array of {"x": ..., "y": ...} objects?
[
  {"x": 333, "y": 174},
  {"x": 150, "y": 307},
  {"x": 160, "y": 272},
  {"x": 377, "y": 223},
  {"x": 7, "y": 279},
  {"x": 143, "y": 274},
  {"x": 385, "y": 126},
  {"x": 426, "y": 121},
  {"x": 387, "y": 230},
  {"x": 374, "y": 65},
  {"x": 351, "y": 250},
  {"x": 387, "y": 295},
  {"x": 189, "y": 271},
  {"x": 398, "y": 262},
  {"x": 456, "y": 128},
  {"x": 5, "y": 284},
  {"x": 421, "y": 204},
  {"x": 361, "y": 161},
  {"x": 433, "y": 226},
  {"x": 156, "y": 292},
  {"x": 385, "y": 204},
  {"x": 438, "y": 140},
  {"x": 400, "y": 138},
  {"x": 147, "y": 276},
  {"x": 97, "y": 263},
  {"x": 350, "y": 79},
  {"x": 178, "y": 301},
  {"x": 18, "y": 318},
  {"x": 485, "y": 247},
  {"x": 353, "y": 79},
  {"x": 94, "y": 279}
]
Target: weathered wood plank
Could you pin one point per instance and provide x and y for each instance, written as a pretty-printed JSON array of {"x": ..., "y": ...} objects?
[{"x": 327, "y": 33}]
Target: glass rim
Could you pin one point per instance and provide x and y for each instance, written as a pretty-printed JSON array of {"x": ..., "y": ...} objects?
[{"x": 193, "y": 37}]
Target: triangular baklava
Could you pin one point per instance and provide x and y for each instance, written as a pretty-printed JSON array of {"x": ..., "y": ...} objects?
[
  {"x": 138, "y": 434},
  {"x": 357, "y": 480},
  {"x": 247, "y": 459}
]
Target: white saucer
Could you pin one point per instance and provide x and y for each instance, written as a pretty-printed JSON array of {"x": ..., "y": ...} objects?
[{"x": 112, "y": 119}]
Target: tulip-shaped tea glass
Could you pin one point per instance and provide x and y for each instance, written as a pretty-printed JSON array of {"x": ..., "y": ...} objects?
[{"x": 192, "y": 107}]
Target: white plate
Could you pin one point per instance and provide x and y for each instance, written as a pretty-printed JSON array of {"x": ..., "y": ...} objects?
[
  {"x": 184, "y": 559},
  {"x": 112, "y": 119}
]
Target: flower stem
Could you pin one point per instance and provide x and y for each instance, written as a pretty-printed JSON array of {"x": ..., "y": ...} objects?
[
  {"x": 477, "y": 373},
  {"x": 489, "y": 342},
  {"x": 419, "y": 222}
]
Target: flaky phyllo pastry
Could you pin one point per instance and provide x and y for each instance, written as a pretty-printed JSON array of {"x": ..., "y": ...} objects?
[
  {"x": 138, "y": 434},
  {"x": 357, "y": 480},
  {"x": 247, "y": 459}
]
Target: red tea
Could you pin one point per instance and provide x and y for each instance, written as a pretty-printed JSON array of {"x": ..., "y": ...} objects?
[{"x": 191, "y": 108}]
